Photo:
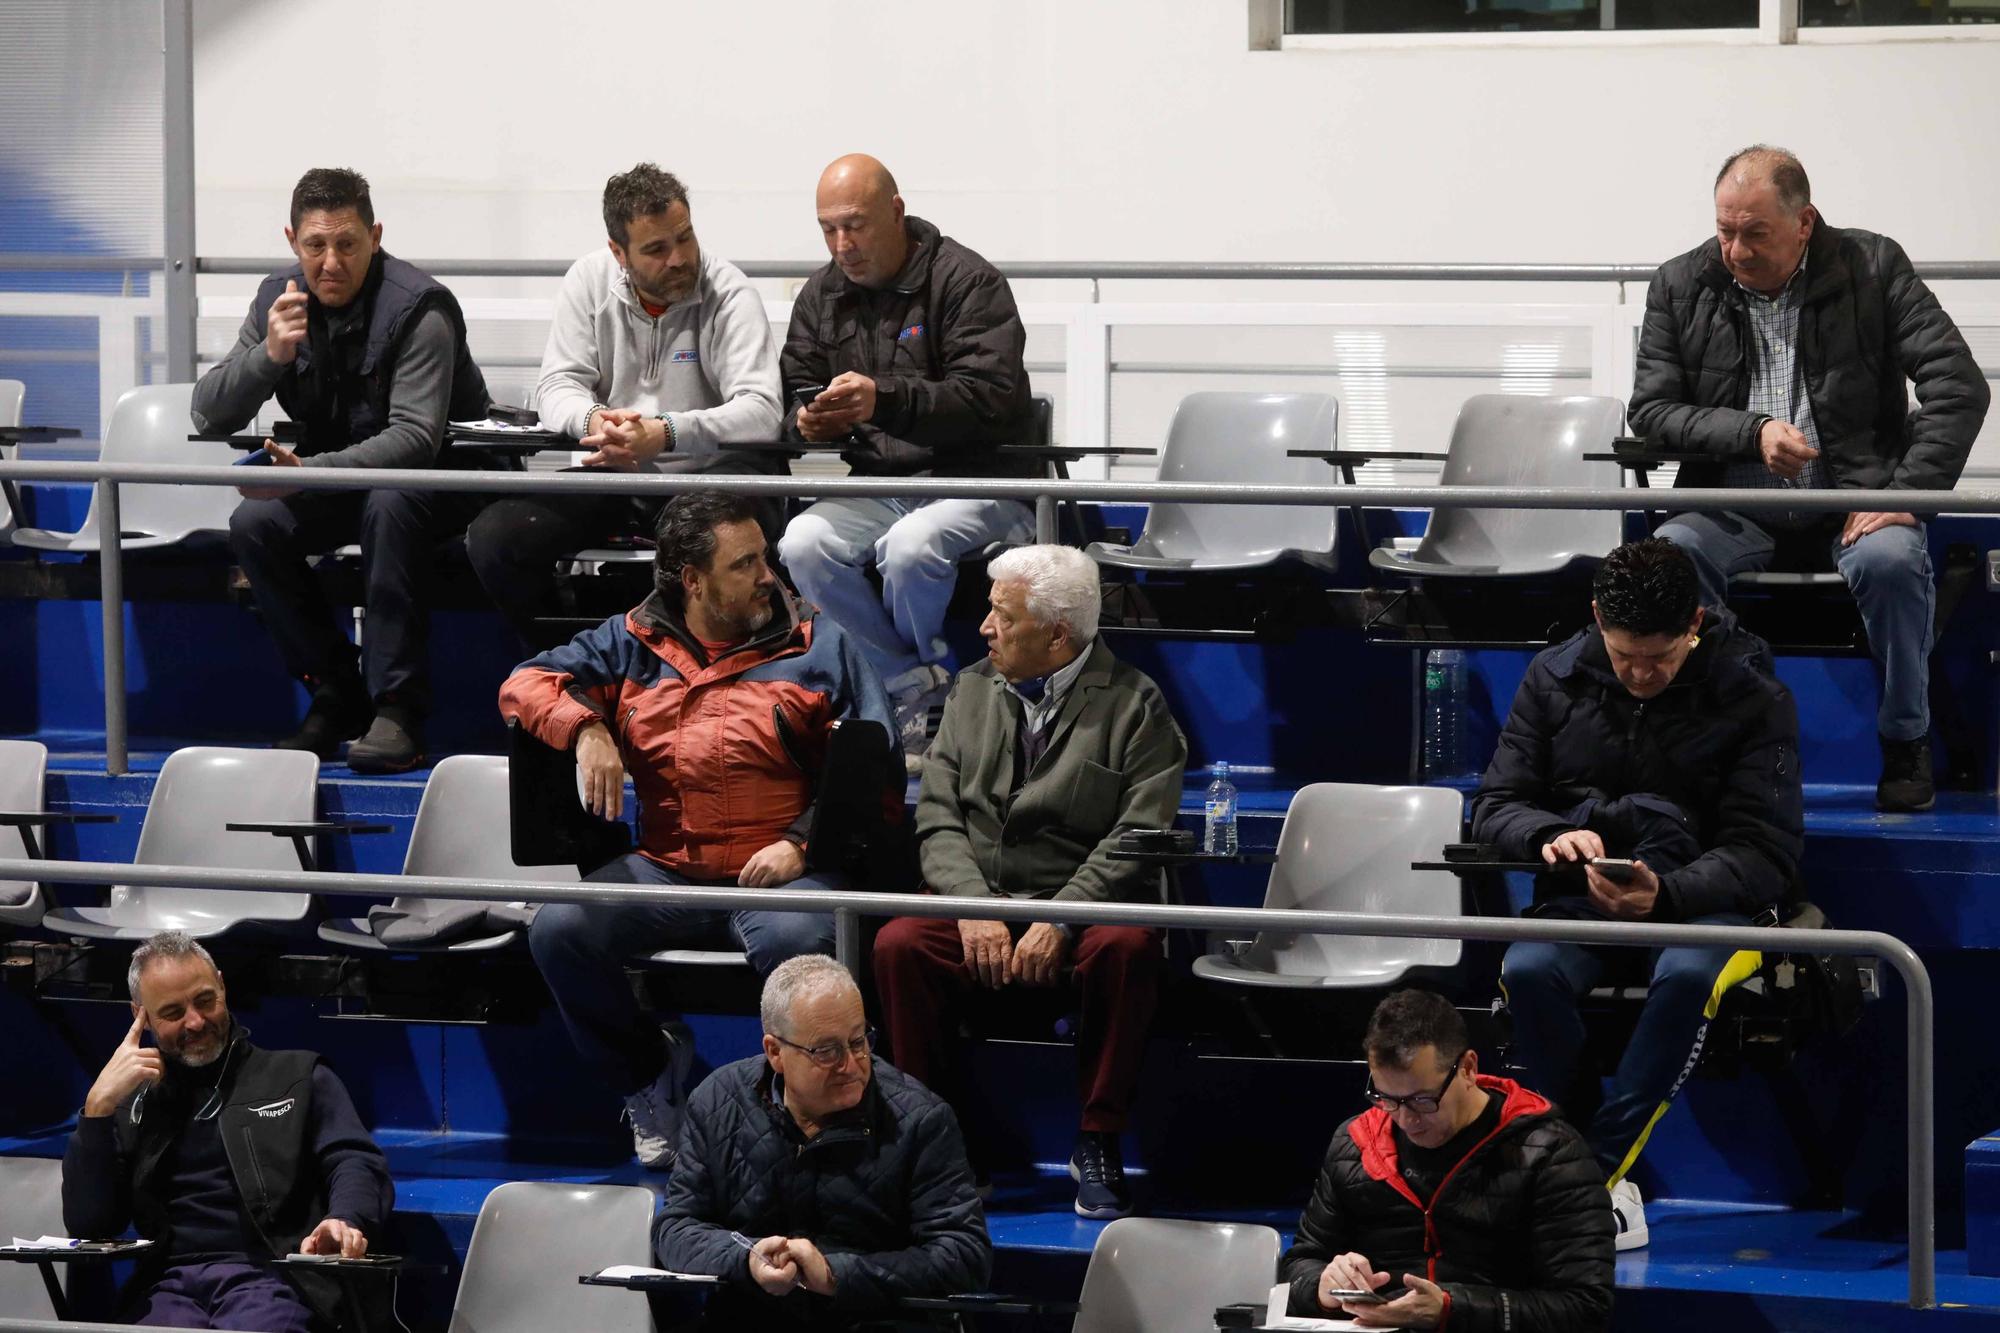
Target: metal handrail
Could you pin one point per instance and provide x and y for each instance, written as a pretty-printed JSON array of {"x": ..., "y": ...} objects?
[{"x": 849, "y": 907}]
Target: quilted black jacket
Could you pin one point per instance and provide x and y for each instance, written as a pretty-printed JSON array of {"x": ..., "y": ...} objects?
[
  {"x": 1721, "y": 743},
  {"x": 1518, "y": 1234},
  {"x": 884, "y": 1192},
  {"x": 1868, "y": 325}
]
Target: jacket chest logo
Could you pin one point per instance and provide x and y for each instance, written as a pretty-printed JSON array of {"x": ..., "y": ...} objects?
[
  {"x": 914, "y": 331},
  {"x": 687, "y": 356},
  {"x": 272, "y": 1110}
]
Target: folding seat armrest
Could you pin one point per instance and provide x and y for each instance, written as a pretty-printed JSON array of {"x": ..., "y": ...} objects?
[
  {"x": 27, "y": 821},
  {"x": 303, "y": 831}
]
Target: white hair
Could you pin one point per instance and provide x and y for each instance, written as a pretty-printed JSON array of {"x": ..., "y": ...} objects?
[
  {"x": 166, "y": 944},
  {"x": 808, "y": 974},
  {"x": 1061, "y": 583}
]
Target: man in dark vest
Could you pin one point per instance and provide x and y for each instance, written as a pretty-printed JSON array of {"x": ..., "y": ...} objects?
[
  {"x": 368, "y": 356},
  {"x": 223, "y": 1155}
]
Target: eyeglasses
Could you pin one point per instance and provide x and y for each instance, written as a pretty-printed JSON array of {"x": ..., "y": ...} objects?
[
  {"x": 1422, "y": 1103},
  {"x": 829, "y": 1054}
]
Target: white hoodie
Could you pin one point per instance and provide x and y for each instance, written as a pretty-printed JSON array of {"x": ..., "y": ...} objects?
[{"x": 710, "y": 363}]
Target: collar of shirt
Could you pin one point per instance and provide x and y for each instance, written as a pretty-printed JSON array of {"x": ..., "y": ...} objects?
[{"x": 1036, "y": 712}]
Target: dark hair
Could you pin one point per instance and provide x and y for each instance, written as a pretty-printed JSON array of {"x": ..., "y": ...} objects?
[
  {"x": 685, "y": 535},
  {"x": 330, "y": 189},
  {"x": 1788, "y": 174},
  {"x": 1646, "y": 587},
  {"x": 639, "y": 193},
  {"x": 1410, "y": 1020}
]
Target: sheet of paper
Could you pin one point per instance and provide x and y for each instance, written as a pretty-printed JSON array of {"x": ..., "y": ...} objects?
[
  {"x": 635, "y": 1270},
  {"x": 44, "y": 1243},
  {"x": 503, "y": 427},
  {"x": 1275, "y": 1316}
]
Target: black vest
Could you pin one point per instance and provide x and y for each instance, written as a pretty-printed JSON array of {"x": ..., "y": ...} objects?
[
  {"x": 338, "y": 388},
  {"x": 265, "y": 1121}
]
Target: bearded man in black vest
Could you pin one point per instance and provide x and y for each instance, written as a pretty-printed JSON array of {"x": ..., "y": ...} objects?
[
  {"x": 367, "y": 356},
  {"x": 224, "y": 1155}
]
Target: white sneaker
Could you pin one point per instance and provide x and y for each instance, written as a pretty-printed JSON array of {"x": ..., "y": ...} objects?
[
  {"x": 1629, "y": 1211},
  {"x": 656, "y": 1110},
  {"x": 919, "y": 697}
]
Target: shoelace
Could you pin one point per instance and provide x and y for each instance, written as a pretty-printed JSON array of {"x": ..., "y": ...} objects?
[{"x": 1098, "y": 1168}]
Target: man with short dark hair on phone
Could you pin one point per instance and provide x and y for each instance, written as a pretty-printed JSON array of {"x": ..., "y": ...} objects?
[
  {"x": 659, "y": 359},
  {"x": 224, "y": 1155},
  {"x": 907, "y": 349},
  {"x": 1456, "y": 1199},
  {"x": 1660, "y": 738},
  {"x": 367, "y": 356}
]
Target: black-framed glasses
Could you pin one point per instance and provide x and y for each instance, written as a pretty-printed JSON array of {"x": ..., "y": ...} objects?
[
  {"x": 1423, "y": 1103},
  {"x": 829, "y": 1054}
]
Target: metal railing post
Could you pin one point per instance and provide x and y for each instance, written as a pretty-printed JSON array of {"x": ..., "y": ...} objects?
[
  {"x": 847, "y": 938},
  {"x": 111, "y": 591},
  {"x": 1921, "y": 1036}
]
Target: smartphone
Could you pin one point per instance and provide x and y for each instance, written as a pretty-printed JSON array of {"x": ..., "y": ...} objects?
[
  {"x": 805, "y": 393},
  {"x": 255, "y": 458},
  {"x": 1618, "y": 870},
  {"x": 1379, "y": 1297}
]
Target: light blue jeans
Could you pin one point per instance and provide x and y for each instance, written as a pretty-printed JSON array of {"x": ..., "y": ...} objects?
[
  {"x": 1889, "y": 572},
  {"x": 916, "y": 545}
]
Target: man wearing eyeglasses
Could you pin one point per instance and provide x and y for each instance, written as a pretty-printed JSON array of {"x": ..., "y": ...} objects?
[
  {"x": 224, "y": 1155},
  {"x": 1456, "y": 1197},
  {"x": 820, "y": 1184}
]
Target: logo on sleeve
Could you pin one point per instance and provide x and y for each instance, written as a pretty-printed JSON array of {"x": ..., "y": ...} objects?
[
  {"x": 272, "y": 1110},
  {"x": 687, "y": 355},
  {"x": 914, "y": 331}
]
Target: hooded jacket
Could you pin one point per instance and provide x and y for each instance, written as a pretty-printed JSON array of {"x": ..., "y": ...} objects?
[
  {"x": 1721, "y": 743},
  {"x": 883, "y": 1191},
  {"x": 1518, "y": 1233},
  {"x": 1867, "y": 325},
  {"x": 297, "y": 1151},
  {"x": 723, "y": 754},
  {"x": 709, "y": 364},
  {"x": 943, "y": 343}
]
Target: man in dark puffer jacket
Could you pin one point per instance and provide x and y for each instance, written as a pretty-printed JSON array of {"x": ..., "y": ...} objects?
[
  {"x": 1659, "y": 735},
  {"x": 1469, "y": 1192},
  {"x": 1783, "y": 349},
  {"x": 819, "y": 1184}
]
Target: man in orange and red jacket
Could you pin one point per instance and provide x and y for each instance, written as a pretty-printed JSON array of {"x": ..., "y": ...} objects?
[
  {"x": 1465, "y": 1200},
  {"x": 717, "y": 693}
]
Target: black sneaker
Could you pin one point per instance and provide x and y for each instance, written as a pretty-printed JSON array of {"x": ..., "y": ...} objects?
[
  {"x": 1906, "y": 784},
  {"x": 334, "y": 717},
  {"x": 1099, "y": 1172},
  {"x": 391, "y": 745}
]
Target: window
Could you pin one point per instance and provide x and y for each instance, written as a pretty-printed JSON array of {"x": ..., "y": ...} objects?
[
  {"x": 1313, "y": 17},
  {"x": 1895, "y": 13}
]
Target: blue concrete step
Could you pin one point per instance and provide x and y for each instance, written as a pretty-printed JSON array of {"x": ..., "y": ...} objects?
[{"x": 1982, "y": 1205}]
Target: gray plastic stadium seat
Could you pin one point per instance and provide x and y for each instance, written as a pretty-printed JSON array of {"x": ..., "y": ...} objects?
[
  {"x": 23, "y": 769},
  {"x": 150, "y": 424},
  {"x": 1167, "y": 1276},
  {"x": 1347, "y": 848},
  {"x": 30, "y": 1206},
  {"x": 461, "y": 830},
  {"x": 1504, "y": 439},
  {"x": 1238, "y": 437},
  {"x": 534, "y": 1239},
  {"x": 199, "y": 790}
]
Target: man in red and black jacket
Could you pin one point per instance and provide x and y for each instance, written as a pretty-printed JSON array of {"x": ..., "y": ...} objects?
[
  {"x": 718, "y": 694},
  {"x": 1466, "y": 1200}
]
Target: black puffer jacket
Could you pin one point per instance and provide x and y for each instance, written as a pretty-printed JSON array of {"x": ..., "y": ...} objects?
[
  {"x": 943, "y": 343},
  {"x": 884, "y": 1192},
  {"x": 1721, "y": 743},
  {"x": 1868, "y": 324},
  {"x": 1518, "y": 1234}
]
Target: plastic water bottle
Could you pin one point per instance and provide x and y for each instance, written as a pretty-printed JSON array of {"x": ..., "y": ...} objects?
[
  {"x": 1444, "y": 713},
  {"x": 1219, "y": 824}
]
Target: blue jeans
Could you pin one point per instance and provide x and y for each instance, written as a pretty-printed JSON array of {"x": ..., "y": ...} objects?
[
  {"x": 1543, "y": 983},
  {"x": 915, "y": 545},
  {"x": 1889, "y": 572},
  {"x": 582, "y": 950}
]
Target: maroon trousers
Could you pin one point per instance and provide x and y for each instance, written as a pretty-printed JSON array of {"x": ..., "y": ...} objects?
[{"x": 922, "y": 977}]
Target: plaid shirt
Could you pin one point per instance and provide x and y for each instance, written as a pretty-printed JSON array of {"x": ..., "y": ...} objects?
[{"x": 1778, "y": 391}]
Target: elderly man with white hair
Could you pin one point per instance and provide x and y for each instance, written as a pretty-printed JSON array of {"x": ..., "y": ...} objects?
[
  {"x": 818, "y": 1183},
  {"x": 1049, "y": 751}
]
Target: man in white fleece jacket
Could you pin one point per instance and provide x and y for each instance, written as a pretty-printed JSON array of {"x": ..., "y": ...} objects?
[{"x": 659, "y": 358}]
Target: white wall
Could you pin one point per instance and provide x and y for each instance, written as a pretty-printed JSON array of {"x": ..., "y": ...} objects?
[{"x": 1060, "y": 129}]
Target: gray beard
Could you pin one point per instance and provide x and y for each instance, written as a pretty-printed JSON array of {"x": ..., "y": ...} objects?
[{"x": 203, "y": 1062}]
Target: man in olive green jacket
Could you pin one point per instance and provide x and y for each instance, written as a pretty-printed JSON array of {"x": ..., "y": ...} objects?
[{"x": 1048, "y": 752}]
